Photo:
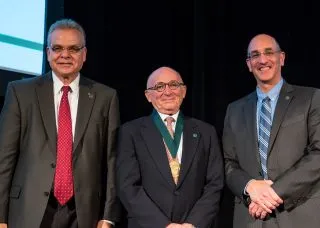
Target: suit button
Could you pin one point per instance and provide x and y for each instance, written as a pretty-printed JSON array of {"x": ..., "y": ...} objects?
[
  {"x": 176, "y": 193},
  {"x": 53, "y": 165},
  {"x": 46, "y": 193}
]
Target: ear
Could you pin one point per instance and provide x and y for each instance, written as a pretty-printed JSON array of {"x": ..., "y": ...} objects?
[
  {"x": 148, "y": 95},
  {"x": 48, "y": 53},
  {"x": 84, "y": 55},
  {"x": 282, "y": 58},
  {"x": 249, "y": 65},
  {"x": 184, "y": 91}
]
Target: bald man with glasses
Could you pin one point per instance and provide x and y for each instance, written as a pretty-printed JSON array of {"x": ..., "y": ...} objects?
[
  {"x": 169, "y": 166},
  {"x": 271, "y": 144}
]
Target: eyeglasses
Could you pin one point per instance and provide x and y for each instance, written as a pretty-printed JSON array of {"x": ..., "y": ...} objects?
[
  {"x": 161, "y": 86},
  {"x": 71, "y": 49},
  {"x": 269, "y": 53}
]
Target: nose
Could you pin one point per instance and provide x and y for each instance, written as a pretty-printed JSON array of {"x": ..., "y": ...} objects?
[
  {"x": 167, "y": 90},
  {"x": 65, "y": 53},
  {"x": 263, "y": 58}
]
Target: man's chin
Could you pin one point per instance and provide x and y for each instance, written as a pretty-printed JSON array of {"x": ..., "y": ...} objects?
[
  {"x": 169, "y": 111},
  {"x": 66, "y": 75},
  {"x": 269, "y": 81}
]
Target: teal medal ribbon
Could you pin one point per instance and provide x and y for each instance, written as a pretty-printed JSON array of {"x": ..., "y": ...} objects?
[{"x": 172, "y": 143}]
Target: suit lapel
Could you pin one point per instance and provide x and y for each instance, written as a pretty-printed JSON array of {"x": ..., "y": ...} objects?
[
  {"x": 85, "y": 104},
  {"x": 191, "y": 137},
  {"x": 250, "y": 113},
  {"x": 283, "y": 102},
  {"x": 44, "y": 91},
  {"x": 156, "y": 148}
]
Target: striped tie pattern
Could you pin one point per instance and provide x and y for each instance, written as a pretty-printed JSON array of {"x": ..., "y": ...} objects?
[{"x": 264, "y": 133}]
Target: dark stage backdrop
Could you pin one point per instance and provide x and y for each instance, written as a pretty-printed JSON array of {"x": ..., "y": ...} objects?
[{"x": 204, "y": 40}]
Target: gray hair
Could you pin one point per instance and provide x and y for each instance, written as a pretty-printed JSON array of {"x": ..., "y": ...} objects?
[{"x": 66, "y": 24}]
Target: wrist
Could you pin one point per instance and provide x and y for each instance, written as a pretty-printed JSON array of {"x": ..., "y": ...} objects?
[{"x": 247, "y": 187}]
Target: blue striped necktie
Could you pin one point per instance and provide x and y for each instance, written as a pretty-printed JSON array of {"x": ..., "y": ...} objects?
[{"x": 264, "y": 133}]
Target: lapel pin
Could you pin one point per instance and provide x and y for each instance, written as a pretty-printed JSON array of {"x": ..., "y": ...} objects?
[
  {"x": 287, "y": 97},
  {"x": 90, "y": 95},
  {"x": 195, "y": 135}
]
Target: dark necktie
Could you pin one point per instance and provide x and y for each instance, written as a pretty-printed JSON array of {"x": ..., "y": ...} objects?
[
  {"x": 63, "y": 180},
  {"x": 264, "y": 133}
]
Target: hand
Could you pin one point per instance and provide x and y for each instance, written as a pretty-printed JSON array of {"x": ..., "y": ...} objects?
[
  {"x": 101, "y": 224},
  {"x": 187, "y": 225},
  {"x": 174, "y": 225},
  {"x": 256, "y": 211},
  {"x": 261, "y": 193},
  {"x": 3, "y": 225}
]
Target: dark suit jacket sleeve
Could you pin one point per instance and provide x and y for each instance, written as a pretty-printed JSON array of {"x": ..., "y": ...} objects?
[
  {"x": 112, "y": 205},
  {"x": 131, "y": 192},
  {"x": 236, "y": 178},
  {"x": 9, "y": 142},
  {"x": 293, "y": 185},
  {"x": 206, "y": 208}
]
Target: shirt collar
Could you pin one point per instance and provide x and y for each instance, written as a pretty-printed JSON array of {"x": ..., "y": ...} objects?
[
  {"x": 57, "y": 84},
  {"x": 164, "y": 116},
  {"x": 272, "y": 94}
]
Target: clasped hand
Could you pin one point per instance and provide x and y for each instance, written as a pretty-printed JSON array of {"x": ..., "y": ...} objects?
[{"x": 263, "y": 198}]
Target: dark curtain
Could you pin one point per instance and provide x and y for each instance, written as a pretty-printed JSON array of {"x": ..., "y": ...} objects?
[{"x": 204, "y": 40}]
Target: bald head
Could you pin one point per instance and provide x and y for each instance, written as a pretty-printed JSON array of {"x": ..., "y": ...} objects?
[
  {"x": 262, "y": 38},
  {"x": 169, "y": 99},
  {"x": 264, "y": 60},
  {"x": 160, "y": 73}
]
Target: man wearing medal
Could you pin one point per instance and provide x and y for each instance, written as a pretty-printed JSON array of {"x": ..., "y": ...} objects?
[{"x": 169, "y": 166}]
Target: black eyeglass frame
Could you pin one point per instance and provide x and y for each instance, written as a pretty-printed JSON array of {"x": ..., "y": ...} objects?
[{"x": 173, "y": 85}]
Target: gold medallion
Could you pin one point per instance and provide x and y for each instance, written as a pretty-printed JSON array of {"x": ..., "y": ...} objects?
[{"x": 175, "y": 169}]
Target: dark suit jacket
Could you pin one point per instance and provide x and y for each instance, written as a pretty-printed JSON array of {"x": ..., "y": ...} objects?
[
  {"x": 145, "y": 183},
  {"x": 293, "y": 156},
  {"x": 28, "y": 152}
]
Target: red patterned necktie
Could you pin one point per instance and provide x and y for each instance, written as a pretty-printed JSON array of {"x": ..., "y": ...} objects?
[{"x": 63, "y": 180}]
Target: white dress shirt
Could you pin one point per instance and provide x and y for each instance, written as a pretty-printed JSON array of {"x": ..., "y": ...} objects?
[{"x": 73, "y": 98}]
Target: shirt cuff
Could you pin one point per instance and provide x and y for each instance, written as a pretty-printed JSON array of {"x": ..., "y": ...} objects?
[{"x": 110, "y": 222}]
